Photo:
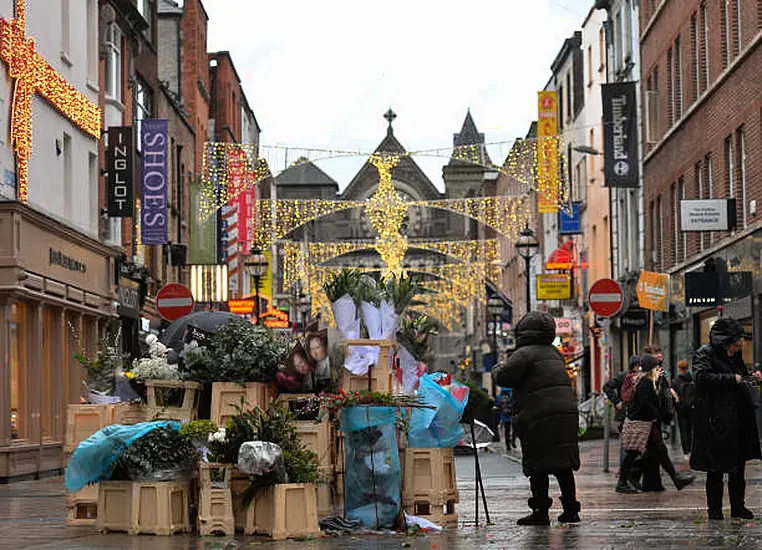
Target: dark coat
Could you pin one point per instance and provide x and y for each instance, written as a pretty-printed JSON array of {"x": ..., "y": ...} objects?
[
  {"x": 685, "y": 387},
  {"x": 645, "y": 403},
  {"x": 724, "y": 426},
  {"x": 547, "y": 419}
]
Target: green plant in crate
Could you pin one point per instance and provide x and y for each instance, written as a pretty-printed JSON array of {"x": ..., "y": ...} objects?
[{"x": 197, "y": 430}]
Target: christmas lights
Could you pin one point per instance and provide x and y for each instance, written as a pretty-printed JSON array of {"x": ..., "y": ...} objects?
[{"x": 34, "y": 75}]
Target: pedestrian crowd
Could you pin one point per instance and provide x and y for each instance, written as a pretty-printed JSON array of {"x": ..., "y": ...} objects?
[{"x": 711, "y": 399}]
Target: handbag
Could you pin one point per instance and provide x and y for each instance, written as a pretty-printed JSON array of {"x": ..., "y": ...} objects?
[{"x": 635, "y": 434}]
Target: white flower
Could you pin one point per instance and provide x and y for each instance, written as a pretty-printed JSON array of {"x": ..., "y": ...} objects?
[{"x": 218, "y": 436}]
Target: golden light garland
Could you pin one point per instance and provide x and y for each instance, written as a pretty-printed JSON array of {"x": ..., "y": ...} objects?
[{"x": 34, "y": 75}]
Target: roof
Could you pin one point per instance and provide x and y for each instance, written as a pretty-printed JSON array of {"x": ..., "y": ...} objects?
[
  {"x": 469, "y": 135},
  {"x": 168, "y": 7},
  {"x": 222, "y": 54},
  {"x": 304, "y": 172}
]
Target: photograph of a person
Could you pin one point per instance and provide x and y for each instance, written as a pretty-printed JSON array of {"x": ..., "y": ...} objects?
[
  {"x": 296, "y": 376},
  {"x": 317, "y": 347}
]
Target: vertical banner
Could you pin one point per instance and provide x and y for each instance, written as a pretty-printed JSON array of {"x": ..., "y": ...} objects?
[
  {"x": 203, "y": 232},
  {"x": 547, "y": 152},
  {"x": 153, "y": 136},
  {"x": 120, "y": 196},
  {"x": 620, "y": 135},
  {"x": 246, "y": 219}
]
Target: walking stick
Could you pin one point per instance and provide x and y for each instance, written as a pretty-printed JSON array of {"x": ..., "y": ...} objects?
[{"x": 478, "y": 482}]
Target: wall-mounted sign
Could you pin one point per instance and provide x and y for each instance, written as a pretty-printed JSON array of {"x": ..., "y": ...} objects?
[
  {"x": 570, "y": 223},
  {"x": 60, "y": 259},
  {"x": 120, "y": 196},
  {"x": 620, "y": 135},
  {"x": 554, "y": 286},
  {"x": 128, "y": 294},
  {"x": 153, "y": 206},
  {"x": 710, "y": 289},
  {"x": 634, "y": 320},
  {"x": 241, "y": 307},
  {"x": 708, "y": 215},
  {"x": 563, "y": 326}
]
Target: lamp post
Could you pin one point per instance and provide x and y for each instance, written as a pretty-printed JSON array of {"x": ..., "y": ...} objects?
[
  {"x": 256, "y": 264},
  {"x": 495, "y": 309},
  {"x": 527, "y": 247}
]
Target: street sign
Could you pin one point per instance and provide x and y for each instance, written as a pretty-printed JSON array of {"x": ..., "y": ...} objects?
[
  {"x": 606, "y": 297},
  {"x": 174, "y": 301}
]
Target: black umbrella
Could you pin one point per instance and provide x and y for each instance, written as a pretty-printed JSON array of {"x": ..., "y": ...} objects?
[{"x": 206, "y": 321}]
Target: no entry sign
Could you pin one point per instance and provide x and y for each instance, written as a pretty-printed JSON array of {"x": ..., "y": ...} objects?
[
  {"x": 174, "y": 301},
  {"x": 606, "y": 297}
]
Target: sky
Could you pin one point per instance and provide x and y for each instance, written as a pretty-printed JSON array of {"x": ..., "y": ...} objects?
[{"x": 321, "y": 74}]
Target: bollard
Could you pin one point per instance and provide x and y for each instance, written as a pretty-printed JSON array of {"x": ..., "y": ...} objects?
[{"x": 606, "y": 435}]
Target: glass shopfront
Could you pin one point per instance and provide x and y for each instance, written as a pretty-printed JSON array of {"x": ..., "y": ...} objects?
[{"x": 19, "y": 331}]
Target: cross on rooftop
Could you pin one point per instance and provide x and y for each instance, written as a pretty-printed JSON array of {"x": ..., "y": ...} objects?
[{"x": 390, "y": 116}]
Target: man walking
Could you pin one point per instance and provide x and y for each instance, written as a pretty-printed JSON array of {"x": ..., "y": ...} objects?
[{"x": 685, "y": 390}]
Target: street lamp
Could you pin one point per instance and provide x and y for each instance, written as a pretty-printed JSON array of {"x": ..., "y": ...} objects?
[
  {"x": 256, "y": 264},
  {"x": 527, "y": 247},
  {"x": 495, "y": 309}
]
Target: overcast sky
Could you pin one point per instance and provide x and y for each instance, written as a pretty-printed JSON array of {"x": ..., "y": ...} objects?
[{"x": 321, "y": 74}]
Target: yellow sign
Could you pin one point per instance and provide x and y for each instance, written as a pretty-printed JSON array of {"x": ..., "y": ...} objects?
[
  {"x": 556, "y": 286},
  {"x": 266, "y": 281},
  {"x": 653, "y": 291},
  {"x": 275, "y": 318},
  {"x": 547, "y": 152},
  {"x": 241, "y": 307}
]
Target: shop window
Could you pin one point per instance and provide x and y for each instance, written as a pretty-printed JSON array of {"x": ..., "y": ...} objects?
[
  {"x": 50, "y": 376},
  {"x": 19, "y": 336}
]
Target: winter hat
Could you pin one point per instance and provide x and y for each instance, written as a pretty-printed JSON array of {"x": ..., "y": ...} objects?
[
  {"x": 535, "y": 328},
  {"x": 648, "y": 363},
  {"x": 635, "y": 361},
  {"x": 725, "y": 331}
]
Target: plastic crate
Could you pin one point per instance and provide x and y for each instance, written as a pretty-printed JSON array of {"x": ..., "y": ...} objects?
[
  {"x": 318, "y": 438},
  {"x": 287, "y": 511},
  {"x": 429, "y": 475},
  {"x": 184, "y": 400},
  {"x": 380, "y": 374},
  {"x": 227, "y": 396},
  {"x": 155, "y": 508},
  {"x": 215, "y": 511},
  {"x": 82, "y": 507},
  {"x": 82, "y": 421}
]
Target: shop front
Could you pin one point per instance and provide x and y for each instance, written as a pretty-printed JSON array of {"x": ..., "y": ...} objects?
[{"x": 56, "y": 298}]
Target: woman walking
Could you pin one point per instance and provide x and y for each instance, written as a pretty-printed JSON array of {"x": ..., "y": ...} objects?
[
  {"x": 725, "y": 430},
  {"x": 547, "y": 421}
]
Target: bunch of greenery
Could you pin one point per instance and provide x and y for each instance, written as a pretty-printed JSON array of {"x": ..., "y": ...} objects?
[
  {"x": 415, "y": 335},
  {"x": 400, "y": 291},
  {"x": 240, "y": 352},
  {"x": 160, "y": 455},
  {"x": 369, "y": 289},
  {"x": 197, "y": 429},
  {"x": 344, "y": 282},
  {"x": 108, "y": 361}
]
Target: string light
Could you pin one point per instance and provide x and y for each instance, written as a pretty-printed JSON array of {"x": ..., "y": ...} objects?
[{"x": 33, "y": 74}]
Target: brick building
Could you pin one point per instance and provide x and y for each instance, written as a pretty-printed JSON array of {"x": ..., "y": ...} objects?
[{"x": 702, "y": 129}]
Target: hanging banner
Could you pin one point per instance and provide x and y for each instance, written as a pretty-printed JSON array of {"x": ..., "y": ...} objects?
[
  {"x": 547, "y": 152},
  {"x": 153, "y": 206},
  {"x": 120, "y": 196},
  {"x": 620, "y": 135},
  {"x": 653, "y": 291},
  {"x": 246, "y": 216},
  {"x": 203, "y": 232}
]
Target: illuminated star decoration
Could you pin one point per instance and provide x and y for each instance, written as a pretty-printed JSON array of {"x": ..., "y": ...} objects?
[{"x": 33, "y": 74}]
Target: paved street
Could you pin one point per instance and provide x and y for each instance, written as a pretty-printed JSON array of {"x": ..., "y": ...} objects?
[{"x": 32, "y": 516}]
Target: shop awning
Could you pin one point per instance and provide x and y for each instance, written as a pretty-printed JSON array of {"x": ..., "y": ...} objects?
[
  {"x": 506, "y": 316},
  {"x": 562, "y": 258}
]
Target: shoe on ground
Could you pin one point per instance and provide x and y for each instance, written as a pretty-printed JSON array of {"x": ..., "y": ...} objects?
[
  {"x": 626, "y": 488},
  {"x": 569, "y": 517},
  {"x": 683, "y": 480},
  {"x": 635, "y": 482},
  {"x": 715, "y": 514},
  {"x": 743, "y": 513},
  {"x": 535, "y": 518}
]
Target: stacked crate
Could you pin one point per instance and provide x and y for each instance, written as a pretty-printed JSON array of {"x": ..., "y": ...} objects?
[
  {"x": 429, "y": 488},
  {"x": 319, "y": 438},
  {"x": 215, "y": 512},
  {"x": 380, "y": 373},
  {"x": 227, "y": 397}
]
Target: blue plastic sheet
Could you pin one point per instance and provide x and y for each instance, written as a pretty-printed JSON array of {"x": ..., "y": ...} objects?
[
  {"x": 440, "y": 426},
  {"x": 372, "y": 466},
  {"x": 95, "y": 456}
]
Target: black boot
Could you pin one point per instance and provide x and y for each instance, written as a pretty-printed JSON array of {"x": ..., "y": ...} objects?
[
  {"x": 714, "y": 491},
  {"x": 571, "y": 512},
  {"x": 625, "y": 487},
  {"x": 539, "y": 515},
  {"x": 737, "y": 494},
  {"x": 682, "y": 480}
]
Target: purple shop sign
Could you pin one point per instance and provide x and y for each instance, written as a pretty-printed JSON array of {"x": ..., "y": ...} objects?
[{"x": 153, "y": 177}]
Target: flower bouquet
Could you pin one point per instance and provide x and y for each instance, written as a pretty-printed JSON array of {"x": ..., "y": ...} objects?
[{"x": 414, "y": 339}]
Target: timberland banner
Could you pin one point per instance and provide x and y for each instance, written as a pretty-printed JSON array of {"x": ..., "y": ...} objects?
[
  {"x": 653, "y": 291},
  {"x": 620, "y": 135},
  {"x": 547, "y": 152}
]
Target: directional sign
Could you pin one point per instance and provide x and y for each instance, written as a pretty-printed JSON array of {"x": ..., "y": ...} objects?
[
  {"x": 606, "y": 297},
  {"x": 174, "y": 301}
]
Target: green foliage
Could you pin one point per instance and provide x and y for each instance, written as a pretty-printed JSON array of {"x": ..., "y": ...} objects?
[
  {"x": 401, "y": 290},
  {"x": 369, "y": 290},
  {"x": 162, "y": 455},
  {"x": 344, "y": 282},
  {"x": 197, "y": 429},
  {"x": 477, "y": 398},
  {"x": 415, "y": 335},
  {"x": 240, "y": 352},
  {"x": 101, "y": 370}
]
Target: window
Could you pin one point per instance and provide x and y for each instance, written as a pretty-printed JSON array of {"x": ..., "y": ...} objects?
[
  {"x": 696, "y": 57},
  {"x": 709, "y": 179},
  {"x": 144, "y": 106},
  {"x": 652, "y": 225},
  {"x": 592, "y": 157},
  {"x": 699, "y": 178},
  {"x": 670, "y": 90},
  {"x": 602, "y": 49},
  {"x": 678, "y": 221},
  {"x": 618, "y": 41},
  {"x": 705, "y": 27},
  {"x": 91, "y": 22},
  {"x": 560, "y": 97},
  {"x": 589, "y": 65},
  {"x": 727, "y": 41},
  {"x": 113, "y": 55},
  {"x": 627, "y": 34},
  {"x": 68, "y": 183},
  {"x": 674, "y": 218},
  {"x": 46, "y": 371},
  {"x": 660, "y": 233},
  {"x": 652, "y": 108},
  {"x": 678, "y": 81},
  {"x": 145, "y": 8},
  {"x": 739, "y": 26},
  {"x": 569, "y": 110},
  {"x": 18, "y": 340},
  {"x": 741, "y": 171},
  {"x": 65, "y": 30},
  {"x": 730, "y": 168}
]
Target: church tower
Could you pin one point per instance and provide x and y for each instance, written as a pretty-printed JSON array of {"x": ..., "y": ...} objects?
[{"x": 462, "y": 177}]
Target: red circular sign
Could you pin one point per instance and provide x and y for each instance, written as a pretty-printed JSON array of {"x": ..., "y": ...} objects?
[
  {"x": 174, "y": 301},
  {"x": 606, "y": 297}
]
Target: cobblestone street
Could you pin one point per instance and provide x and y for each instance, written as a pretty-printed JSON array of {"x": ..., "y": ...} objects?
[{"x": 32, "y": 516}]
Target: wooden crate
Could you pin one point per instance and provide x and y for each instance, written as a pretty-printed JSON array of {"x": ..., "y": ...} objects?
[
  {"x": 226, "y": 397},
  {"x": 186, "y": 411},
  {"x": 318, "y": 438},
  {"x": 287, "y": 511},
  {"x": 129, "y": 413},
  {"x": 156, "y": 508},
  {"x": 82, "y": 421},
  {"x": 215, "y": 512},
  {"x": 82, "y": 506},
  {"x": 380, "y": 374},
  {"x": 429, "y": 475}
]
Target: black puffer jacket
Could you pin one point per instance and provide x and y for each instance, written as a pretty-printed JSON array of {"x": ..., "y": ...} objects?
[
  {"x": 725, "y": 429},
  {"x": 547, "y": 420}
]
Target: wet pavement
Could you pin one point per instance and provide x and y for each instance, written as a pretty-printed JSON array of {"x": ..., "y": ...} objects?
[{"x": 32, "y": 516}]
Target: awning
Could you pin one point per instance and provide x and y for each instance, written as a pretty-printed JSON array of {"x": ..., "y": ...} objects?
[
  {"x": 507, "y": 314},
  {"x": 562, "y": 258}
]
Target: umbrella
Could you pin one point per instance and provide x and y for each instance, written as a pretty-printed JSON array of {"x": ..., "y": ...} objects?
[
  {"x": 94, "y": 458},
  {"x": 208, "y": 321},
  {"x": 482, "y": 434}
]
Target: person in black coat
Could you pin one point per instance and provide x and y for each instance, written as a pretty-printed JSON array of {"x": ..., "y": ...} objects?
[
  {"x": 725, "y": 429},
  {"x": 547, "y": 421},
  {"x": 648, "y": 406},
  {"x": 685, "y": 389}
]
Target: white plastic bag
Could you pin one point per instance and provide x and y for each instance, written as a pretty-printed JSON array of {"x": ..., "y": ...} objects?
[{"x": 409, "y": 368}]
